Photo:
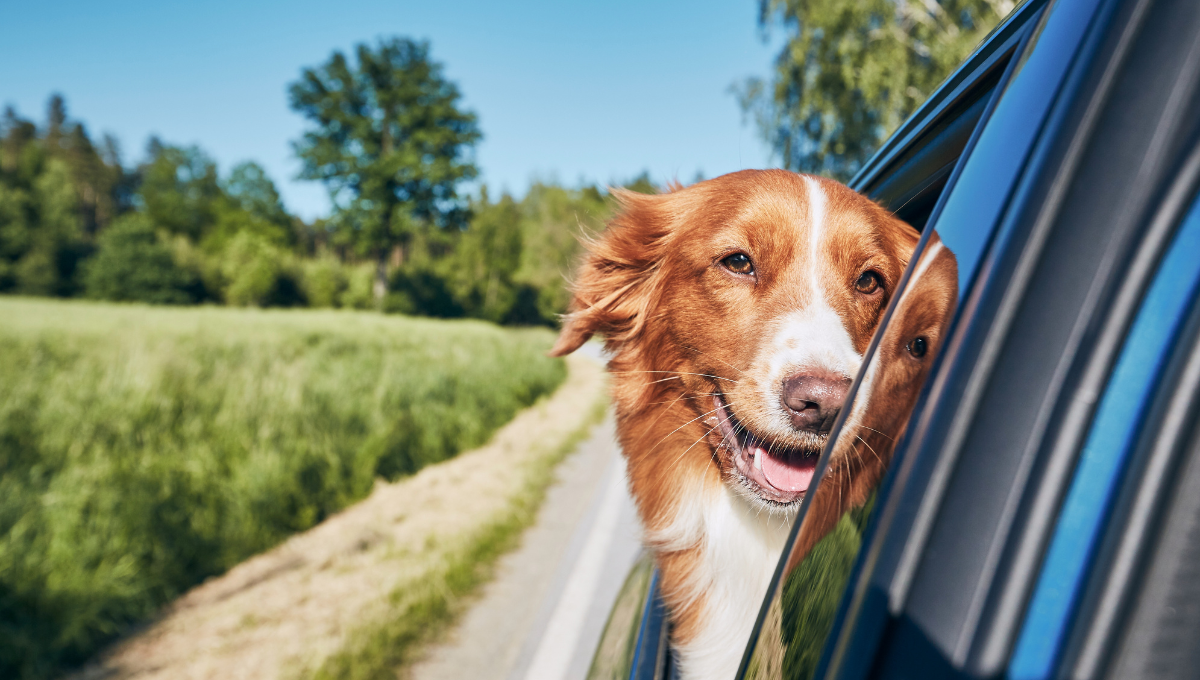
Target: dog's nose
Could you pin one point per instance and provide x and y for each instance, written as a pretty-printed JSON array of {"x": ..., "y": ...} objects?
[{"x": 813, "y": 400}]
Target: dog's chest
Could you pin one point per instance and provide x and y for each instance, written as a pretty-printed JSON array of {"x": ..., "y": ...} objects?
[{"x": 741, "y": 548}]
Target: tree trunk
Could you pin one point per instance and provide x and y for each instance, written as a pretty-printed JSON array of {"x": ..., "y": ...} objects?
[{"x": 381, "y": 281}]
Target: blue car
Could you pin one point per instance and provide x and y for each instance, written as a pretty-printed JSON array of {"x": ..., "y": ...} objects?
[{"x": 1041, "y": 516}]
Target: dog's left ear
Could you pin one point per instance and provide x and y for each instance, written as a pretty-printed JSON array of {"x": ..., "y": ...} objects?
[{"x": 618, "y": 279}]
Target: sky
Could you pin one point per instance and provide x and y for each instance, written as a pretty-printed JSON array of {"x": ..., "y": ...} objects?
[{"x": 565, "y": 91}]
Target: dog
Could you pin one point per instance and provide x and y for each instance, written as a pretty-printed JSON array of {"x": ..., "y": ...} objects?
[{"x": 736, "y": 313}]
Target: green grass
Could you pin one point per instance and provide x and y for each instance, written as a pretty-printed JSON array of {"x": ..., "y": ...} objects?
[
  {"x": 144, "y": 449},
  {"x": 421, "y": 611}
]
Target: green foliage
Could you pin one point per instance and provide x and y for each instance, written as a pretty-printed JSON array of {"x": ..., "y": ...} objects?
[
  {"x": 325, "y": 281},
  {"x": 553, "y": 219},
  {"x": 259, "y": 274},
  {"x": 249, "y": 188},
  {"x": 143, "y": 450},
  {"x": 179, "y": 190},
  {"x": 422, "y": 289},
  {"x": 56, "y": 192},
  {"x": 358, "y": 293},
  {"x": 486, "y": 260},
  {"x": 390, "y": 142},
  {"x": 249, "y": 204},
  {"x": 851, "y": 72},
  {"x": 131, "y": 264},
  {"x": 44, "y": 217},
  {"x": 175, "y": 230}
]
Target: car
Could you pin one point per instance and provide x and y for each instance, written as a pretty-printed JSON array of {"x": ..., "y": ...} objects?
[{"x": 1040, "y": 518}]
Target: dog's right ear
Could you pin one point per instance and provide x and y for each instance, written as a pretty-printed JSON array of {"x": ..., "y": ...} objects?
[{"x": 618, "y": 279}]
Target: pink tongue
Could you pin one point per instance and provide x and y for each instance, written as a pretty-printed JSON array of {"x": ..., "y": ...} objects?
[{"x": 787, "y": 477}]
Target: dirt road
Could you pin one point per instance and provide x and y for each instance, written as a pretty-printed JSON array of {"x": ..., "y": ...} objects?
[{"x": 541, "y": 618}]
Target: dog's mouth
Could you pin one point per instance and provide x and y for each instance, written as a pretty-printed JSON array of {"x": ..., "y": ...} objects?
[{"x": 775, "y": 473}]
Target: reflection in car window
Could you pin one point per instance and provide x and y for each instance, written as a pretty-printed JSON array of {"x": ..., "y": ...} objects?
[
  {"x": 820, "y": 561},
  {"x": 1010, "y": 133}
]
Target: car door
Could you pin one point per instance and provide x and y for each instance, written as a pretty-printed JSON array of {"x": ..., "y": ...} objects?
[{"x": 1050, "y": 211}]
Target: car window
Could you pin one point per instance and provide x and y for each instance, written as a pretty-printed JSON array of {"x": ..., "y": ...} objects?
[
  {"x": 1106, "y": 451},
  {"x": 827, "y": 543}
]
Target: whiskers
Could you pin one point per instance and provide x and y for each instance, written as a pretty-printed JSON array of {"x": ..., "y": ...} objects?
[
  {"x": 881, "y": 434},
  {"x": 668, "y": 435},
  {"x": 676, "y": 375},
  {"x": 684, "y": 395},
  {"x": 706, "y": 354},
  {"x": 737, "y": 430}
]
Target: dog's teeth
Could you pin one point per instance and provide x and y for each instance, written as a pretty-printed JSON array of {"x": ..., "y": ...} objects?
[{"x": 758, "y": 456}]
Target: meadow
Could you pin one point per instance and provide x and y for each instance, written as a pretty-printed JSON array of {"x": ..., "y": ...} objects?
[{"x": 144, "y": 449}]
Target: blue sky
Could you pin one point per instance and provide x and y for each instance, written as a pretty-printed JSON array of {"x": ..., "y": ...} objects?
[{"x": 569, "y": 91}]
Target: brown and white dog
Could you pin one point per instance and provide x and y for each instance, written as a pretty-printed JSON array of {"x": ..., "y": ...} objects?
[{"x": 737, "y": 312}]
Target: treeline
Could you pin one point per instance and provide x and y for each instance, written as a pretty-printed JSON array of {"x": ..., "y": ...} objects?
[{"x": 76, "y": 221}]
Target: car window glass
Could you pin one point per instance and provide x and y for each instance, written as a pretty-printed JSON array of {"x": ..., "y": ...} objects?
[
  {"x": 1009, "y": 129},
  {"x": 826, "y": 546}
]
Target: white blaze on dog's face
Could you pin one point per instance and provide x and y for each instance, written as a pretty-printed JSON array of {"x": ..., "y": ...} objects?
[{"x": 752, "y": 297}]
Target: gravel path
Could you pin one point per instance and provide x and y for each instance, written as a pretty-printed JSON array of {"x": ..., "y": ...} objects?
[{"x": 542, "y": 616}]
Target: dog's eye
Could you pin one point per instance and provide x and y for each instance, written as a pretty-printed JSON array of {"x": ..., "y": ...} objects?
[
  {"x": 739, "y": 263},
  {"x": 917, "y": 347},
  {"x": 868, "y": 283}
]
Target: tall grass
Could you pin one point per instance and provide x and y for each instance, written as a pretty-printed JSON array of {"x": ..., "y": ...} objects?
[{"x": 144, "y": 449}]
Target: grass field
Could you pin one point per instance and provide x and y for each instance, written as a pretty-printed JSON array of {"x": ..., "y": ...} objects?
[
  {"x": 144, "y": 449},
  {"x": 361, "y": 595}
]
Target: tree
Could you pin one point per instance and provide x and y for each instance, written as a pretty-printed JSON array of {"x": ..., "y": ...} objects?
[
  {"x": 250, "y": 204},
  {"x": 56, "y": 194},
  {"x": 179, "y": 190},
  {"x": 251, "y": 190},
  {"x": 391, "y": 143},
  {"x": 554, "y": 220},
  {"x": 851, "y": 72},
  {"x": 487, "y": 258},
  {"x": 131, "y": 264}
]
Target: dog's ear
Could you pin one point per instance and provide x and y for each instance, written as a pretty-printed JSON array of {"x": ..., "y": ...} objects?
[{"x": 618, "y": 278}]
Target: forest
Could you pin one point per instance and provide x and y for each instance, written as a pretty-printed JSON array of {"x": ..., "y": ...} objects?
[{"x": 78, "y": 220}]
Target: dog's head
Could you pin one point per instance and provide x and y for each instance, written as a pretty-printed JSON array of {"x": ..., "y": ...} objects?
[{"x": 739, "y": 308}]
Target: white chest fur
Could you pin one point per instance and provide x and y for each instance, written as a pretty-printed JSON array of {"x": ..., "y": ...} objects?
[{"x": 741, "y": 544}]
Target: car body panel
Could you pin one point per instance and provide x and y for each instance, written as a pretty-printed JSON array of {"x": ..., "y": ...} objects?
[{"x": 1121, "y": 410}]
